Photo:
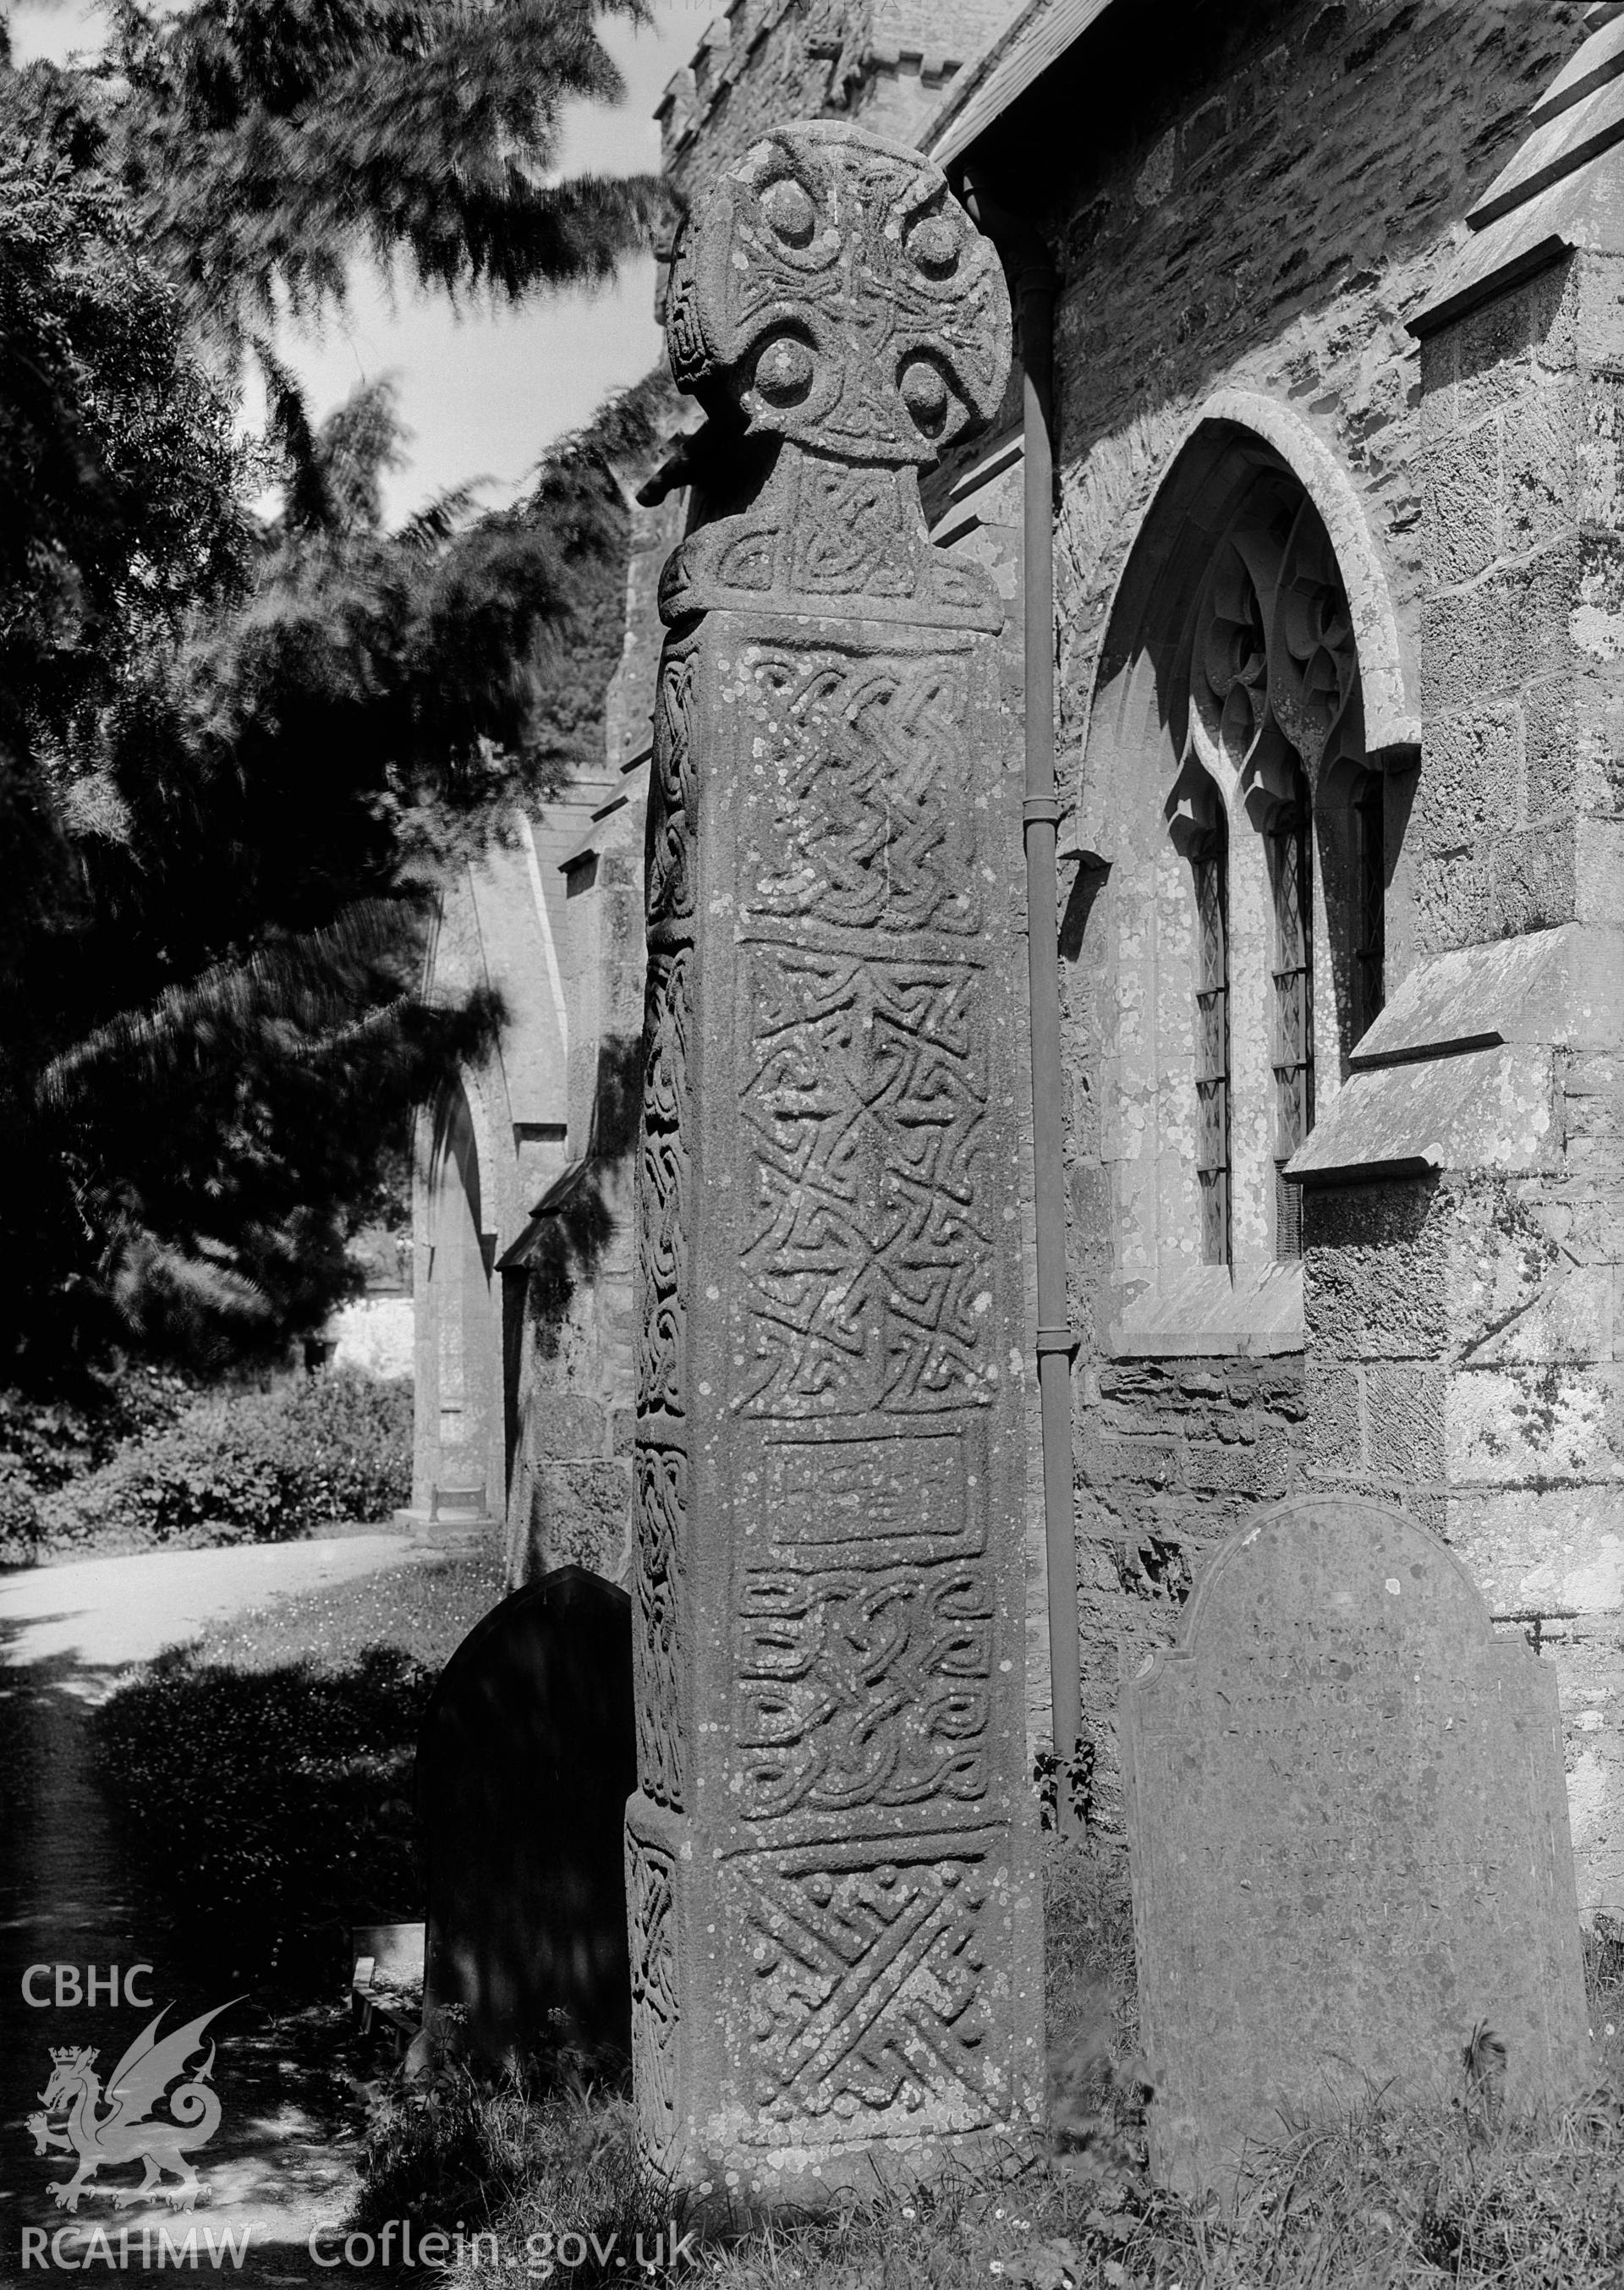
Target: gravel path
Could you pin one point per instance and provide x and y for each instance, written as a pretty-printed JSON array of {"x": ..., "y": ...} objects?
[{"x": 67, "y": 1899}]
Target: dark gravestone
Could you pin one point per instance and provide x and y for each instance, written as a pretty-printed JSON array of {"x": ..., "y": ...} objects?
[
  {"x": 526, "y": 1757},
  {"x": 1349, "y": 1838}
]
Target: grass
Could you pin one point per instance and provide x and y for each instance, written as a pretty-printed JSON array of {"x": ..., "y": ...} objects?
[
  {"x": 1390, "y": 2198},
  {"x": 327, "y": 1688},
  {"x": 263, "y": 1774},
  {"x": 424, "y": 1611}
]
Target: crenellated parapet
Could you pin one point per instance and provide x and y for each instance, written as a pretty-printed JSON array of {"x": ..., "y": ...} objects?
[{"x": 881, "y": 63}]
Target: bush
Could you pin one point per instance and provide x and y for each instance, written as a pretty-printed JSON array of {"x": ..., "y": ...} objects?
[
  {"x": 250, "y": 1466},
  {"x": 49, "y": 1442},
  {"x": 18, "y": 1519}
]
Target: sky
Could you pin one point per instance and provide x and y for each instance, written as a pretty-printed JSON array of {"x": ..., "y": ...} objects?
[{"x": 483, "y": 395}]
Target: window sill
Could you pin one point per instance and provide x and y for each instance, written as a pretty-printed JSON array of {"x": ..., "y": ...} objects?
[{"x": 1208, "y": 1312}]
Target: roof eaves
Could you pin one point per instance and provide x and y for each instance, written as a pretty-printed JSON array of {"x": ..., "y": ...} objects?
[{"x": 1013, "y": 60}]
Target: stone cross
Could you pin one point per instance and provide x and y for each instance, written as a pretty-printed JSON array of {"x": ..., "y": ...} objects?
[
  {"x": 834, "y": 1923},
  {"x": 1349, "y": 1838}
]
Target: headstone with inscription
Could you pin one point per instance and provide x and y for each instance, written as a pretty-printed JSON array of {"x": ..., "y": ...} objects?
[
  {"x": 836, "y": 1931},
  {"x": 1349, "y": 1832},
  {"x": 526, "y": 1760}
]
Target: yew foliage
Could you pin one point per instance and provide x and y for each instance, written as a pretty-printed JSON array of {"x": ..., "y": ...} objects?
[{"x": 236, "y": 746}]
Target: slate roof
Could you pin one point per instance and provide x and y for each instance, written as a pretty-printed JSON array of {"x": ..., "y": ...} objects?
[
  {"x": 1009, "y": 64},
  {"x": 1562, "y": 188}
]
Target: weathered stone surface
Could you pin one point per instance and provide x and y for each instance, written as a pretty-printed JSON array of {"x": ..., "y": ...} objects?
[
  {"x": 834, "y": 1916},
  {"x": 1564, "y": 985},
  {"x": 1492, "y": 1108},
  {"x": 1349, "y": 1838},
  {"x": 524, "y": 1764}
]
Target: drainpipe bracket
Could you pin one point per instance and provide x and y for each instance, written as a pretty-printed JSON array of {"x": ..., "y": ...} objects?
[
  {"x": 1058, "y": 1339},
  {"x": 1041, "y": 810}
]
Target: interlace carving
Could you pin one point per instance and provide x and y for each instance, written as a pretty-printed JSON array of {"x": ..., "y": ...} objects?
[
  {"x": 665, "y": 1185},
  {"x": 859, "y": 834},
  {"x": 670, "y": 894},
  {"x": 650, "y": 1885},
  {"x": 834, "y": 292},
  {"x": 662, "y": 1512},
  {"x": 868, "y": 1251},
  {"x": 865, "y": 1687},
  {"x": 830, "y": 1426},
  {"x": 870, "y": 1995}
]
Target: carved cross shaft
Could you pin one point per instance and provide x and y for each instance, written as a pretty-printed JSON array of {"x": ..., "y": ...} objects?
[{"x": 836, "y": 1941}]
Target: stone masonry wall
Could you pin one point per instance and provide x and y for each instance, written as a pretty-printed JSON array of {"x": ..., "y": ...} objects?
[
  {"x": 1465, "y": 1363},
  {"x": 575, "y": 1373},
  {"x": 763, "y": 62},
  {"x": 1522, "y": 411},
  {"x": 1264, "y": 217},
  {"x": 1466, "y": 1342},
  {"x": 1261, "y": 217}
]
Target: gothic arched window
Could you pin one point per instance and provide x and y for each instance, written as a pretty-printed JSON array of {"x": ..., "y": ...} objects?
[
  {"x": 1271, "y": 715},
  {"x": 1210, "y": 858},
  {"x": 1231, "y": 940}
]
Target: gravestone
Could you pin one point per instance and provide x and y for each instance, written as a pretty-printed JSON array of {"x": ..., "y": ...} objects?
[
  {"x": 836, "y": 1931},
  {"x": 1348, "y": 1833},
  {"x": 526, "y": 1760}
]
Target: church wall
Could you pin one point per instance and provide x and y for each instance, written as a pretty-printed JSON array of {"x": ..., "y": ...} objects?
[
  {"x": 481, "y": 1155},
  {"x": 977, "y": 504},
  {"x": 1465, "y": 1340},
  {"x": 1259, "y": 218},
  {"x": 761, "y": 62},
  {"x": 571, "y": 1312},
  {"x": 1273, "y": 196},
  {"x": 1264, "y": 215},
  {"x": 575, "y": 1373}
]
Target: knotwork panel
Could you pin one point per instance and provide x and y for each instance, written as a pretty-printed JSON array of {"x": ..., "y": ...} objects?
[
  {"x": 864, "y": 1687},
  {"x": 868, "y": 1999},
  {"x": 662, "y": 1518},
  {"x": 650, "y": 1897},
  {"x": 664, "y": 1206},
  {"x": 665, "y": 1188},
  {"x": 868, "y": 1252},
  {"x": 865, "y": 1634},
  {"x": 673, "y": 796},
  {"x": 865, "y": 820}
]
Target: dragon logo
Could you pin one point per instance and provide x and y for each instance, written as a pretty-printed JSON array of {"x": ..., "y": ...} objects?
[{"x": 127, "y": 2132}]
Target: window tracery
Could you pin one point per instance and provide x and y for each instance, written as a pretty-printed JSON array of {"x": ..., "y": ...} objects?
[
  {"x": 1232, "y": 947},
  {"x": 1291, "y": 868},
  {"x": 1370, "y": 944},
  {"x": 1271, "y": 719},
  {"x": 1211, "y": 858}
]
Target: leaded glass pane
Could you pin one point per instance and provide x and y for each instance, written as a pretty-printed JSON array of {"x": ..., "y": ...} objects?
[
  {"x": 1370, "y": 948},
  {"x": 1211, "y": 872},
  {"x": 1291, "y": 873}
]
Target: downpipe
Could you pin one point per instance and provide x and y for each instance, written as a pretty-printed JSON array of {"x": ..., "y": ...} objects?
[{"x": 1035, "y": 283}]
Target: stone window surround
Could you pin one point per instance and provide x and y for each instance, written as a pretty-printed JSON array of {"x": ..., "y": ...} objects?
[{"x": 1170, "y": 1303}]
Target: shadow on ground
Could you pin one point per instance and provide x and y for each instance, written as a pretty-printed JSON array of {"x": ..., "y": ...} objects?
[{"x": 142, "y": 1828}]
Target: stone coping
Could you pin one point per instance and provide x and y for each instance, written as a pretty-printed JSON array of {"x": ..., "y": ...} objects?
[{"x": 1207, "y": 1312}]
